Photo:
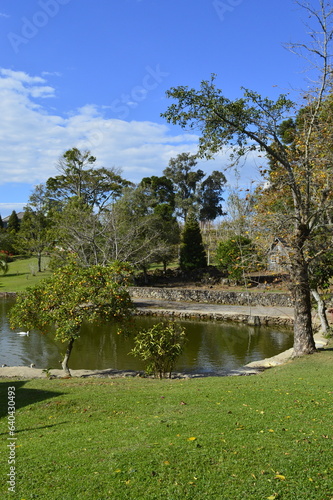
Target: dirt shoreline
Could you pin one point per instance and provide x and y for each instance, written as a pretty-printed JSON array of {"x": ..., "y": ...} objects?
[{"x": 25, "y": 372}]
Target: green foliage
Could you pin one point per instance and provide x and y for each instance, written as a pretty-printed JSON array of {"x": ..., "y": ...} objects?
[
  {"x": 94, "y": 186},
  {"x": 3, "y": 263},
  {"x": 235, "y": 256},
  {"x": 73, "y": 295},
  {"x": 211, "y": 196},
  {"x": 160, "y": 346},
  {"x": 13, "y": 225},
  {"x": 192, "y": 193},
  {"x": 192, "y": 251},
  {"x": 32, "y": 238},
  {"x": 321, "y": 270}
]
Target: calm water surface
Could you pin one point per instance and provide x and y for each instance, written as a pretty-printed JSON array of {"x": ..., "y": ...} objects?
[{"x": 212, "y": 346}]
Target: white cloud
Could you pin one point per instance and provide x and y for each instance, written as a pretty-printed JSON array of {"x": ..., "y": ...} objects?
[
  {"x": 7, "y": 208},
  {"x": 6, "y": 16},
  {"x": 32, "y": 139}
]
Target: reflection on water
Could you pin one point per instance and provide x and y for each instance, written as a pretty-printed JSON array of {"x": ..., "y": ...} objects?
[{"x": 211, "y": 346}]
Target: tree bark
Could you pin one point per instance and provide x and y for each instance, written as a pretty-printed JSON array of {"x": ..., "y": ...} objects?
[
  {"x": 39, "y": 260},
  {"x": 64, "y": 363},
  {"x": 303, "y": 333},
  {"x": 321, "y": 311}
]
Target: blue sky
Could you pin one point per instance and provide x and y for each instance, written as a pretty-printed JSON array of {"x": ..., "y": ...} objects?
[{"x": 93, "y": 74}]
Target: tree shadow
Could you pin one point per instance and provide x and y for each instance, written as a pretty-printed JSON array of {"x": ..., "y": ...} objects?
[{"x": 23, "y": 396}]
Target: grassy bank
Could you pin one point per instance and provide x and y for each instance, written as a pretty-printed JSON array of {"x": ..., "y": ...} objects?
[
  {"x": 261, "y": 437},
  {"x": 22, "y": 272}
]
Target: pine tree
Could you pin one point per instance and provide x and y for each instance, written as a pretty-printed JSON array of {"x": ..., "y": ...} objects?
[
  {"x": 192, "y": 251},
  {"x": 13, "y": 223}
]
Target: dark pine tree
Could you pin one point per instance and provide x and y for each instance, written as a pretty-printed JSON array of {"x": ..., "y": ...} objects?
[
  {"x": 13, "y": 223},
  {"x": 192, "y": 251}
]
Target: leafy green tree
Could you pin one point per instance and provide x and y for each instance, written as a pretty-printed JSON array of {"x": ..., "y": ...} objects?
[
  {"x": 33, "y": 237},
  {"x": 192, "y": 193},
  {"x": 186, "y": 182},
  {"x": 192, "y": 251},
  {"x": 160, "y": 346},
  {"x": 159, "y": 197},
  {"x": 79, "y": 178},
  {"x": 71, "y": 296},
  {"x": 1, "y": 223},
  {"x": 235, "y": 256},
  {"x": 252, "y": 123},
  {"x": 138, "y": 231},
  {"x": 210, "y": 195}
]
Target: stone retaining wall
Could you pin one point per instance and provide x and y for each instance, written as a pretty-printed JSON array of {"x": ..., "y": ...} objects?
[
  {"x": 205, "y": 296},
  {"x": 195, "y": 315},
  {"x": 6, "y": 295}
]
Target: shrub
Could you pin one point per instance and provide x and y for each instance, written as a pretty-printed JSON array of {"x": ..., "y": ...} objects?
[
  {"x": 235, "y": 256},
  {"x": 160, "y": 346},
  {"x": 192, "y": 250}
]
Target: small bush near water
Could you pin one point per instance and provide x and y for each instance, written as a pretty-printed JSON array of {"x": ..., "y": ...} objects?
[{"x": 160, "y": 347}]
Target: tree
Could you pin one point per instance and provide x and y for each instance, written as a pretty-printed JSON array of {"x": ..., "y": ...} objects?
[
  {"x": 252, "y": 123},
  {"x": 71, "y": 296},
  {"x": 210, "y": 195},
  {"x": 159, "y": 198},
  {"x": 159, "y": 193},
  {"x": 141, "y": 232},
  {"x": 192, "y": 251},
  {"x": 192, "y": 193},
  {"x": 185, "y": 181},
  {"x": 13, "y": 225},
  {"x": 160, "y": 346},
  {"x": 32, "y": 238},
  {"x": 236, "y": 256},
  {"x": 78, "y": 178}
]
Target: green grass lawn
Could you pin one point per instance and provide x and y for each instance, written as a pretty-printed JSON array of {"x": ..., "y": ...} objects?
[
  {"x": 22, "y": 273},
  {"x": 267, "y": 436}
]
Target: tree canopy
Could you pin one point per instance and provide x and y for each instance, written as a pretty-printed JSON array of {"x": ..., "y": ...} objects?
[
  {"x": 71, "y": 296},
  {"x": 300, "y": 155}
]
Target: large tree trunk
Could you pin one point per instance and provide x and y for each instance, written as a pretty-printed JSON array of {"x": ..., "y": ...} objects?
[
  {"x": 303, "y": 333},
  {"x": 321, "y": 311},
  {"x": 64, "y": 363}
]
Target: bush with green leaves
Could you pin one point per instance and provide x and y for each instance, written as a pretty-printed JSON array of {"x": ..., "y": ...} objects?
[
  {"x": 160, "y": 346},
  {"x": 236, "y": 256}
]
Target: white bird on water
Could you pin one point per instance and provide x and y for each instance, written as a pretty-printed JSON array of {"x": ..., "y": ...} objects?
[{"x": 23, "y": 334}]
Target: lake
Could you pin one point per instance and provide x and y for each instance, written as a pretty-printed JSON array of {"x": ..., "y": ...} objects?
[{"x": 212, "y": 346}]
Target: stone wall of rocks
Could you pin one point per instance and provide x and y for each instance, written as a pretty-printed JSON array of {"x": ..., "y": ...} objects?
[
  {"x": 234, "y": 317},
  {"x": 207, "y": 296}
]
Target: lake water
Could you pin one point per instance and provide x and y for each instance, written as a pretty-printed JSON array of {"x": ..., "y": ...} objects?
[{"x": 212, "y": 346}]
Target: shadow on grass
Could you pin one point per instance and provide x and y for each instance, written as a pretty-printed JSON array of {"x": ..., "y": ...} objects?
[
  {"x": 13, "y": 275},
  {"x": 23, "y": 397}
]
